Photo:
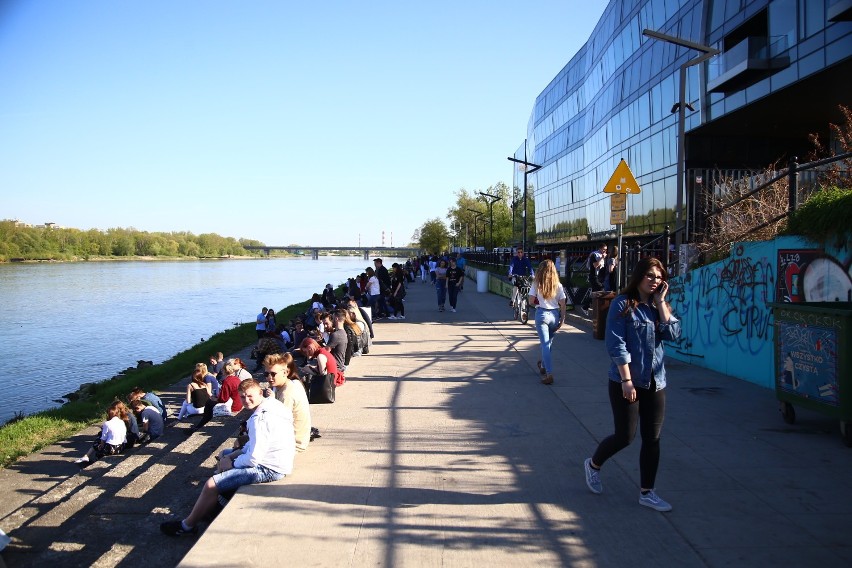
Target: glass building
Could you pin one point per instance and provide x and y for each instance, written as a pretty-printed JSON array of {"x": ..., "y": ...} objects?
[{"x": 782, "y": 71}]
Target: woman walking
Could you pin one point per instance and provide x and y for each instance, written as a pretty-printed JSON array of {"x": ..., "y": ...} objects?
[
  {"x": 398, "y": 293},
  {"x": 639, "y": 320},
  {"x": 549, "y": 313},
  {"x": 441, "y": 284},
  {"x": 455, "y": 279}
]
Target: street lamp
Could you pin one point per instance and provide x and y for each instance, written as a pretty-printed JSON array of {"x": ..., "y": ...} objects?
[
  {"x": 475, "y": 219},
  {"x": 529, "y": 168},
  {"x": 682, "y": 220},
  {"x": 491, "y": 200}
]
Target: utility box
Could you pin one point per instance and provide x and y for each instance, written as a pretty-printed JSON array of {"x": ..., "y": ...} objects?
[{"x": 813, "y": 352}]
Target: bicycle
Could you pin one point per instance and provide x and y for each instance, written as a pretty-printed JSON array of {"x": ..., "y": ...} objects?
[{"x": 520, "y": 305}]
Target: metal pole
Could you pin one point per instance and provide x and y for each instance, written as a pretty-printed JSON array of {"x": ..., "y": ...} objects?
[
  {"x": 681, "y": 151},
  {"x": 528, "y": 169},
  {"x": 793, "y": 183},
  {"x": 617, "y": 286},
  {"x": 524, "y": 219}
]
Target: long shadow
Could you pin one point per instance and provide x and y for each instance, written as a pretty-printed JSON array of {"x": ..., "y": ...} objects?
[
  {"x": 106, "y": 513},
  {"x": 493, "y": 430}
]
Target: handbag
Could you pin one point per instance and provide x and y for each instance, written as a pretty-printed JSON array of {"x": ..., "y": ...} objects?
[{"x": 322, "y": 389}]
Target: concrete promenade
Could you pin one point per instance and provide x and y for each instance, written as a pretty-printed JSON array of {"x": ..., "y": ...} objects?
[{"x": 444, "y": 449}]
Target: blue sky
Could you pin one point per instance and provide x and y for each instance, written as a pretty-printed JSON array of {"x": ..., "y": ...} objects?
[{"x": 286, "y": 122}]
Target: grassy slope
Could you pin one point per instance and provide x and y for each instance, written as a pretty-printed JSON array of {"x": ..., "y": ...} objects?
[{"x": 34, "y": 432}]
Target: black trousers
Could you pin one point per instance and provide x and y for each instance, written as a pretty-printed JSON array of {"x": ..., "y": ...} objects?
[{"x": 647, "y": 413}]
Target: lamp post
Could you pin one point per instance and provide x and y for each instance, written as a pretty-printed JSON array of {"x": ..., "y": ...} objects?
[
  {"x": 529, "y": 168},
  {"x": 681, "y": 219},
  {"x": 475, "y": 219},
  {"x": 491, "y": 200}
]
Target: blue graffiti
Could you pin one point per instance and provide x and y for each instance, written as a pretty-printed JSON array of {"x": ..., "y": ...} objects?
[{"x": 725, "y": 304}]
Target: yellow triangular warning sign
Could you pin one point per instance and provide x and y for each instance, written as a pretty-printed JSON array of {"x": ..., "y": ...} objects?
[{"x": 622, "y": 181}]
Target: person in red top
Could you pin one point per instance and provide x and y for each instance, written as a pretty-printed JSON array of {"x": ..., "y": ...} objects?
[
  {"x": 228, "y": 403},
  {"x": 324, "y": 362}
]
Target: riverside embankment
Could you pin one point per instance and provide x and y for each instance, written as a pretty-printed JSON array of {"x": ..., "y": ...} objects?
[
  {"x": 443, "y": 448},
  {"x": 96, "y": 319}
]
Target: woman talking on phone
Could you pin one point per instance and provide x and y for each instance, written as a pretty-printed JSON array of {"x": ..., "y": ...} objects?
[{"x": 638, "y": 321}]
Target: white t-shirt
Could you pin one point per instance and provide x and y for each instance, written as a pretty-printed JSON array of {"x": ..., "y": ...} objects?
[
  {"x": 552, "y": 303},
  {"x": 373, "y": 287},
  {"x": 114, "y": 431}
]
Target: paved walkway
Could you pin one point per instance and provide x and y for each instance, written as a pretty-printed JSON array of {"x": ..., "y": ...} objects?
[{"x": 444, "y": 449}]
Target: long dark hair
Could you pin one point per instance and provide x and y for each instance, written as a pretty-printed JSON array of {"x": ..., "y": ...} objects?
[{"x": 632, "y": 288}]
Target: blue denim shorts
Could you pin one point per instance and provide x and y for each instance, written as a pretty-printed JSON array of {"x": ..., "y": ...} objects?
[{"x": 237, "y": 477}]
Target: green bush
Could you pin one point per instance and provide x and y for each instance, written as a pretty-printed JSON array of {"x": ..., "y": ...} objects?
[{"x": 825, "y": 214}]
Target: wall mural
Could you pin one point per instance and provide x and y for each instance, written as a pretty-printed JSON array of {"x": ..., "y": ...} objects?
[
  {"x": 810, "y": 275},
  {"x": 724, "y": 307}
]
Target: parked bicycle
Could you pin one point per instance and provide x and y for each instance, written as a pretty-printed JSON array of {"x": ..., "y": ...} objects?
[{"x": 520, "y": 304}]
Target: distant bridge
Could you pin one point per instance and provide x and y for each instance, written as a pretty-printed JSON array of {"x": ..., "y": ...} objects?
[{"x": 368, "y": 252}]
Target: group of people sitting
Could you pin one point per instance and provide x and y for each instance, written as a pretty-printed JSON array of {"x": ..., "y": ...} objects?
[
  {"x": 316, "y": 345},
  {"x": 291, "y": 357},
  {"x": 139, "y": 421}
]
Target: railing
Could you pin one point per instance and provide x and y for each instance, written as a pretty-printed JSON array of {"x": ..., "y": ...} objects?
[{"x": 798, "y": 189}]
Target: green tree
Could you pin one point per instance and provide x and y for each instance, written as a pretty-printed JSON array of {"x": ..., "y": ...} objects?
[
  {"x": 464, "y": 219},
  {"x": 433, "y": 237}
]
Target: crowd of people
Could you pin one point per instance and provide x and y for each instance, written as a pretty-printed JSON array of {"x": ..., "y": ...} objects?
[
  {"x": 292, "y": 357},
  {"x": 317, "y": 347},
  {"x": 638, "y": 321}
]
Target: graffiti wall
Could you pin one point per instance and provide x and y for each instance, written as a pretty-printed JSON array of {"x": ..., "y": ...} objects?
[{"x": 726, "y": 320}]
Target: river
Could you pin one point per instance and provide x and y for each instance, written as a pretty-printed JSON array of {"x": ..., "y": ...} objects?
[{"x": 65, "y": 324}]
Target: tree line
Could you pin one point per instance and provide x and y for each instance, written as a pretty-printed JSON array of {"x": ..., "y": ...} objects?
[
  {"x": 18, "y": 243},
  {"x": 493, "y": 217}
]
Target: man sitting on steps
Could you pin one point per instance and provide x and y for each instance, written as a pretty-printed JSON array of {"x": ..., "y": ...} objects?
[{"x": 267, "y": 456}]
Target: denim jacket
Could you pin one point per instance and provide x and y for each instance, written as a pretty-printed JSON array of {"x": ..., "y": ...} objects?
[{"x": 637, "y": 340}]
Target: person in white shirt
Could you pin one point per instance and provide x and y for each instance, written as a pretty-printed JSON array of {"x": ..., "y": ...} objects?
[
  {"x": 267, "y": 456},
  {"x": 377, "y": 299},
  {"x": 112, "y": 438},
  {"x": 549, "y": 313}
]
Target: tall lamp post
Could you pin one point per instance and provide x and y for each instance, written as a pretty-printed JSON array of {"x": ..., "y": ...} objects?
[
  {"x": 529, "y": 168},
  {"x": 491, "y": 200},
  {"x": 475, "y": 219},
  {"x": 682, "y": 219}
]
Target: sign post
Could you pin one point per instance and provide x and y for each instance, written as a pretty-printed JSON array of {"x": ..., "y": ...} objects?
[{"x": 620, "y": 185}]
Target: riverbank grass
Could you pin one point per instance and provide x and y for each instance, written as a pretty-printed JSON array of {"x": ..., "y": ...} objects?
[{"x": 29, "y": 434}]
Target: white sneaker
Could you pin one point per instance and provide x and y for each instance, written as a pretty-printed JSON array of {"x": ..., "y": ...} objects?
[
  {"x": 654, "y": 501},
  {"x": 453, "y": 310},
  {"x": 400, "y": 317},
  {"x": 391, "y": 317},
  {"x": 84, "y": 459}
]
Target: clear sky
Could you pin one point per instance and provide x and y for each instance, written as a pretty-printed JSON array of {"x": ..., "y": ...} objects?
[{"x": 282, "y": 121}]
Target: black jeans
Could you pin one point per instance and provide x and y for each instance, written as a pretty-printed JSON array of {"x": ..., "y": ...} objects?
[
  {"x": 647, "y": 413},
  {"x": 453, "y": 291}
]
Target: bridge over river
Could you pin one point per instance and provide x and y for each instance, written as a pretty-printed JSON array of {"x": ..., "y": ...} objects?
[{"x": 367, "y": 251}]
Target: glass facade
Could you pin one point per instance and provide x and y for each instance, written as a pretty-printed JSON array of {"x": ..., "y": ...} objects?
[{"x": 615, "y": 99}]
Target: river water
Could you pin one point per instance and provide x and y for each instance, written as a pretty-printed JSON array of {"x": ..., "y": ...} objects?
[{"x": 65, "y": 324}]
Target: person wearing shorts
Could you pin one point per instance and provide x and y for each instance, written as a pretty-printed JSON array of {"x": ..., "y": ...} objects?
[{"x": 267, "y": 456}]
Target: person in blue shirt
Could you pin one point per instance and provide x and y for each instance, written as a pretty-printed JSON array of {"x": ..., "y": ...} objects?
[
  {"x": 460, "y": 262},
  {"x": 149, "y": 399},
  {"x": 520, "y": 266},
  {"x": 638, "y": 321}
]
